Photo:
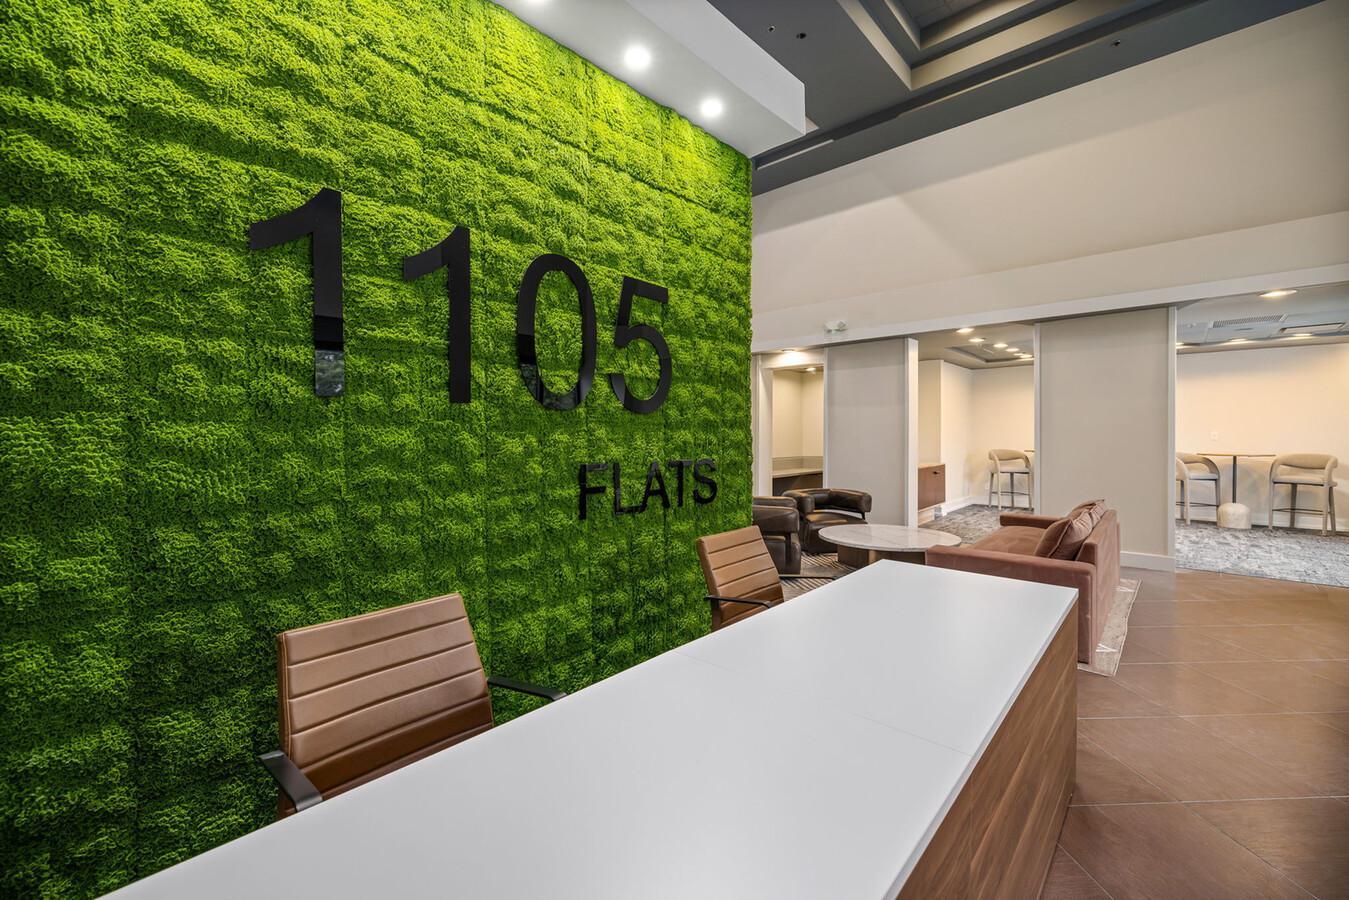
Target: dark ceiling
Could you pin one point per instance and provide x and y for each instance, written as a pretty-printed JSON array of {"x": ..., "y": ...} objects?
[{"x": 882, "y": 73}]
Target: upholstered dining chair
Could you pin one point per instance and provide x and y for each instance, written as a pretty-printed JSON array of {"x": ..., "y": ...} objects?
[
  {"x": 1192, "y": 469},
  {"x": 363, "y": 696},
  {"x": 741, "y": 577},
  {"x": 1313, "y": 470},
  {"x": 1010, "y": 463}
]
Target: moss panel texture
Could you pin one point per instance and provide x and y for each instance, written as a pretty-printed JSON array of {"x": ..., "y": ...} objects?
[{"x": 174, "y": 493}]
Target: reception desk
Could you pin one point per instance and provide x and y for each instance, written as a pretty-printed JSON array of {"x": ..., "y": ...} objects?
[{"x": 904, "y": 731}]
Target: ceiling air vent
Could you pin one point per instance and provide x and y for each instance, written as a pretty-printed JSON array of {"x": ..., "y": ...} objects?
[{"x": 1247, "y": 320}]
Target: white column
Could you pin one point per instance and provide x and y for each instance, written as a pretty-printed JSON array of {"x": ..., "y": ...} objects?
[
  {"x": 1105, "y": 396},
  {"x": 871, "y": 425}
]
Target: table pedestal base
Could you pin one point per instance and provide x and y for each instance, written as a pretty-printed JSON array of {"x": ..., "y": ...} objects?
[
  {"x": 855, "y": 558},
  {"x": 1234, "y": 515}
]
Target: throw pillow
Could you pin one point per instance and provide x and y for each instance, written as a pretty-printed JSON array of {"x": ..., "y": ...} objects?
[{"x": 1065, "y": 537}]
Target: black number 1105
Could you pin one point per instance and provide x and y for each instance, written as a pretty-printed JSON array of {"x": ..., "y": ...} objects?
[{"x": 321, "y": 218}]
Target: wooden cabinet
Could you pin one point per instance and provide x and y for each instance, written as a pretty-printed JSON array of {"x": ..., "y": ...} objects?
[{"x": 931, "y": 485}]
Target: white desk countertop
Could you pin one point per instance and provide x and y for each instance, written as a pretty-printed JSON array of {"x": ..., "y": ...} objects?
[{"x": 809, "y": 751}]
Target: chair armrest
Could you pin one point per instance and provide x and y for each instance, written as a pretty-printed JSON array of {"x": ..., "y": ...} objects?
[
  {"x": 714, "y": 599},
  {"x": 1026, "y": 519},
  {"x": 1061, "y": 572},
  {"x": 805, "y": 501},
  {"x": 785, "y": 502},
  {"x": 524, "y": 687},
  {"x": 291, "y": 780}
]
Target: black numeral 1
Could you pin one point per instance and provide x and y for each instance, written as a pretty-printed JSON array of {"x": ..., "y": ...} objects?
[
  {"x": 452, "y": 255},
  {"x": 321, "y": 217}
]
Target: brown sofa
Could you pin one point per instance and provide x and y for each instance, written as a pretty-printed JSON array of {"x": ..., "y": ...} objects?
[{"x": 1010, "y": 552}]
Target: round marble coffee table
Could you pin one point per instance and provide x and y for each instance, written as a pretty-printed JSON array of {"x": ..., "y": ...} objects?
[{"x": 862, "y": 545}]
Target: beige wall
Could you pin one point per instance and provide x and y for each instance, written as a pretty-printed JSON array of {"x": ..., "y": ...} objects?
[
  {"x": 1105, "y": 401},
  {"x": 871, "y": 437},
  {"x": 1277, "y": 400},
  {"x": 1151, "y": 182},
  {"x": 812, "y": 413},
  {"x": 929, "y": 411},
  {"x": 957, "y": 386},
  {"x": 798, "y": 413},
  {"x": 1002, "y": 414},
  {"x": 786, "y": 414}
]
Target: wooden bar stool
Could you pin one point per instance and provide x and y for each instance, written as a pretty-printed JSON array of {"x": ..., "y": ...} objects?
[
  {"x": 1313, "y": 470},
  {"x": 1010, "y": 463}
]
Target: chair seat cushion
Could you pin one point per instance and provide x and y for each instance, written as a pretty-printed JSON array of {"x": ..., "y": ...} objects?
[
  {"x": 825, "y": 519},
  {"x": 1012, "y": 539},
  {"x": 1203, "y": 475},
  {"x": 1318, "y": 480},
  {"x": 1015, "y": 470}
]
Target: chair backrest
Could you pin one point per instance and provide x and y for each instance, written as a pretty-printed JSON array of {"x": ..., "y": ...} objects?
[
  {"x": 737, "y": 564},
  {"x": 1182, "y": 470},
  {"x": 808, "y": 500},
  {"x": 1185, "y": 460},
  {"x": 1000, "y": 456},
  {"x": 363, "y": 696},
  {"x": 1319, "y": 462}
]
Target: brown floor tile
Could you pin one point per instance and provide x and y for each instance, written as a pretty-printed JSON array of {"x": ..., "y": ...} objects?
[
  {"x": 1171, "y": 644},
  {"x": 1333, "y": 634},
  {"x": 1298, "y": 745},
  {"x": 1337, "y": 670},
  {"x": 1281, "y": 683},
  {"x": 1213, "y": 612},
  {"x": 1163, "y": 851},
  {"x": 1101, "y": 778},
  {"x": 1067, "y": 881},
  {"x": 1274, "y": 641},
  {"x": 1183, "y": 689},
  {"x": 1307, "y": 840},
  {"x": 1334, "y": 720},
  {"x": 1190, "y": 763},
  {"x": 1101, "y": 696}
]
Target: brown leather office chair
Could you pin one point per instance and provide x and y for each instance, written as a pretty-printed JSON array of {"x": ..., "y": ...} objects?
[
  {"x": 741, "y": 577},
  {"x": 363, "y": 696}
]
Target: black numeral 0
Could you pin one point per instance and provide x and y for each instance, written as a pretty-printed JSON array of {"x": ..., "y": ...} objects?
[
  {"x": 526, "y": 352},
  {"x": 321, "y": 217},
  {"x": 452, "y": 254},
  {"x": 625, "y": 334}
]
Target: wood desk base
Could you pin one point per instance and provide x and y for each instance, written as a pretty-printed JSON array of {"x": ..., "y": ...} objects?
[{"x": 998, "y": 837}]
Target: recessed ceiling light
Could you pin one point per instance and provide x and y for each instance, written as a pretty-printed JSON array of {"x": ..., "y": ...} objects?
[
  {"x": 1180, "y": 344},
  {"x": 1301, "y": 335},
  {"x": 999, "y": 346},
  {"x": 1275, "y": 295},
  {"x": 1013, "y": 349},
  {"x": 976, "y": 340},
  {"x": 637, "y": 57},
  {"x": 811, "y": 369},
  {"x": 965, "y": 330},
  {"x": 1238, "y": 341},
  {"x": 711, "y": 107}
]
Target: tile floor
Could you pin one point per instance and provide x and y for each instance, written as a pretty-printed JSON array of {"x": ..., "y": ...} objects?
[{"x": 1216, "y": 763}]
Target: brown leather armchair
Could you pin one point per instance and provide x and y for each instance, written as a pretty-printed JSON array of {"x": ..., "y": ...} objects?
[
  {"x": 780, "y": 523},
  {"x": 821, "y": 507},
  {"x": 363, "y": 696}
]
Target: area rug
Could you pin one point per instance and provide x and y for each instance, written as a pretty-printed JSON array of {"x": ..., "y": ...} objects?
[
  {"x": 1105, "y": 661},
  {"x": 1284, "y": 553}
]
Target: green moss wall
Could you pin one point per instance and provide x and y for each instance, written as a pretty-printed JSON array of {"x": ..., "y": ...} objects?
[{"x": 174, "y": 493}]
